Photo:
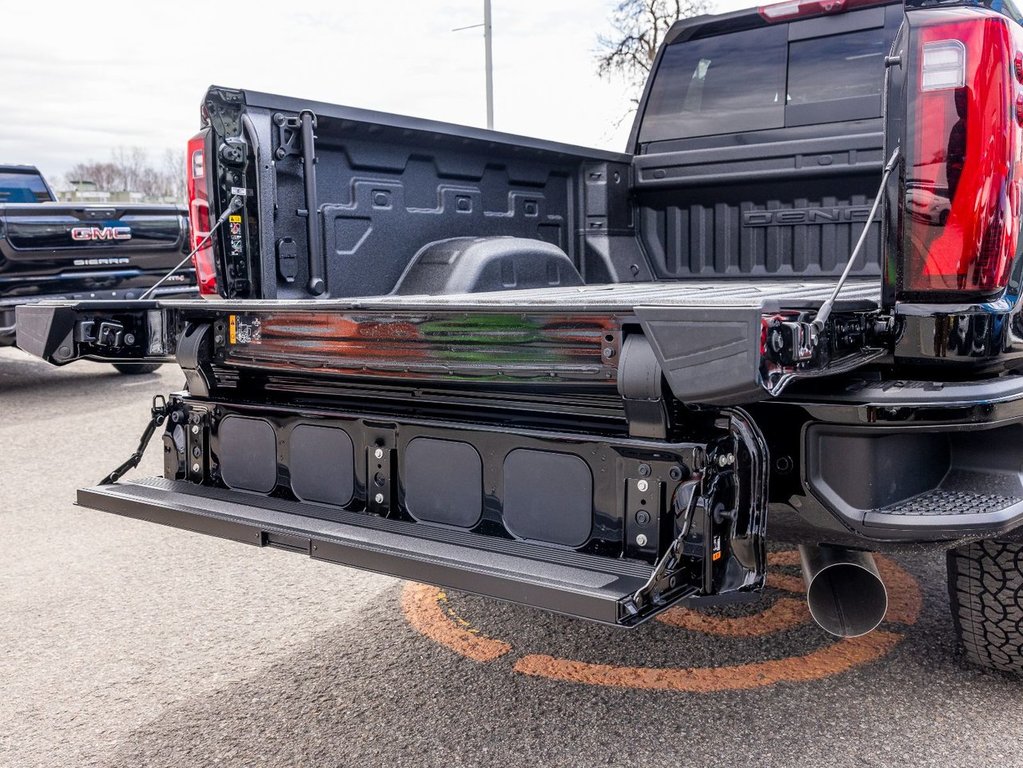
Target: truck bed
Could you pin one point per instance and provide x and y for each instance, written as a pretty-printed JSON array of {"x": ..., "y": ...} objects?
[{"x": 386, "y": 186}]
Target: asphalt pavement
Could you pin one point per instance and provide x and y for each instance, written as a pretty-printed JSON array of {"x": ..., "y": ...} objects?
[{"x": 124, "y": 643}]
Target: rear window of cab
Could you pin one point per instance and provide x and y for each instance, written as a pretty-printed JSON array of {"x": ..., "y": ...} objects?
[
  {"x": 772, "y": 77},
  {"x": 23, "y": 187}
]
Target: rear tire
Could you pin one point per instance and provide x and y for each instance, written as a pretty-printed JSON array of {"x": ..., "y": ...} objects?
[
  {"x": 985, "y": 586},
  {"x": 129, "y": 369}
]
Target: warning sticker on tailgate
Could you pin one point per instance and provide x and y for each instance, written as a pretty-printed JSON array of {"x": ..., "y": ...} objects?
[
  {"x": 236, "y": 243},
  {"x": 244, "y": 330}
]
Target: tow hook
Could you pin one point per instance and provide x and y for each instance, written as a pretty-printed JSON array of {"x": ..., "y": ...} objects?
[{"x": 106, "y": 333}]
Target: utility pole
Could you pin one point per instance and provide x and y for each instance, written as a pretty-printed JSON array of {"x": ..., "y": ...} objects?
[{"x": 488, "y": 43}]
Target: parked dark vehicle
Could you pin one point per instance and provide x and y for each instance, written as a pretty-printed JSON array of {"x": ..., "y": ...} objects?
[
  {"x": 52, "y": 250},
  {"x": 592, "y": 382}
]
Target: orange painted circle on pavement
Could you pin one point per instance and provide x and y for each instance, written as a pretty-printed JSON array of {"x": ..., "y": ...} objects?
[
  {"x": 425, "y": 608},
  {"x": 785, "y": 613},
  {"x": 428, "y": 610},
  {"x": 825, "y": 662}
]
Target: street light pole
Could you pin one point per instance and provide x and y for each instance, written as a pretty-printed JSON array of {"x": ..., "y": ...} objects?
[{"x": 488, "y": 37}]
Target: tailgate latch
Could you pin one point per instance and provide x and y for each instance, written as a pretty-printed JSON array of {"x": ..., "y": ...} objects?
[{"x": 791, "y": 341}]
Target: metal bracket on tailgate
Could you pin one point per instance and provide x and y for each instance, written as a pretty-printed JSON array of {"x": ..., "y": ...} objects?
[
  {"x": 720, "y": 526},
  {"x": 159, "y": 413},
  {"x": 289, "y": 135}
]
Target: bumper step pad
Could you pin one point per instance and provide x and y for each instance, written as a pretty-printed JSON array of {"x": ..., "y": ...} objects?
[{"x": 958, "y": 512}]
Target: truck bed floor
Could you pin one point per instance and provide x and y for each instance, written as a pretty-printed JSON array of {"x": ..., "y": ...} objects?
[{"x": 769, "y": 295}]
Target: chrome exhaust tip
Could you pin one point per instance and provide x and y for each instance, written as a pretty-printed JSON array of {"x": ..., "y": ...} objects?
[{"x": 844, "y": 591}]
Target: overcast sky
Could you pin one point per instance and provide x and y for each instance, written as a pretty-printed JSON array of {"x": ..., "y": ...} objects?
[{"x": 80, "y": 77}]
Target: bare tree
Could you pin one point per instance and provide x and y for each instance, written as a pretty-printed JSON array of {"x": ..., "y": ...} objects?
[
  {"x": 133, "y": 166},
  {"x": 174, "y": 173},
  {"x": 639, "y": 27},
  {"x": 130, "y": 170},
  {"x": 103, "y": 175}
]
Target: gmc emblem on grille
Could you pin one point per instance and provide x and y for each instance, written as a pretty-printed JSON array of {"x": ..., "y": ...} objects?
[{"x": 84, "y": 234}]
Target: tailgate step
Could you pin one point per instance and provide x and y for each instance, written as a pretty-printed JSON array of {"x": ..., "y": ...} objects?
[{"x": 585, "y": 586}]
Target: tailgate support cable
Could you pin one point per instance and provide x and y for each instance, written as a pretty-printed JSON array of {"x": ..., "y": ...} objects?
[
  {"x": 159, "y": 413},
  {"x": 825, "y": 310},
  {"x": 235, "y": 205}
]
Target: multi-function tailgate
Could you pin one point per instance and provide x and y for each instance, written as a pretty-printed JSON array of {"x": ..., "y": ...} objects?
[
  {"x": 714, "y": 343},
  {"x": 525, "y": 445}
]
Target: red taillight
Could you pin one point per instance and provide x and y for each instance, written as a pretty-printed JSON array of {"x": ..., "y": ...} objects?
[
  {"x": 962, "y": 185},
  {"x": 199, "y": 215},
  {"x": 796, "y": 9}
]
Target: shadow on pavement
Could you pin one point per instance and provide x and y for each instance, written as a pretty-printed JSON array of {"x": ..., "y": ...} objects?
[
  {"x": 375, "y": 692},
  {"x": 30, "y": 387}
]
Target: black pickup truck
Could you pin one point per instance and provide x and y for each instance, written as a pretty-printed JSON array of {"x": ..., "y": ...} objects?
[
  {"x": 52, "y": 250},
  {"x": 592, "y": 382}
]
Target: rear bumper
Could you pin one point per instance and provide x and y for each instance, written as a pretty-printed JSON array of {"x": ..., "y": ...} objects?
[
  {"x": 971, "y": 337},
  {"x": 941, "y": 484},
  {"x": 901, "y": 461},
  {"x": 8, "y": 305}
]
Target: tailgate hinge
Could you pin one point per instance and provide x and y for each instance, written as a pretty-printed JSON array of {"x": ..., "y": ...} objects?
[
  {"x": 640, "y": 383},
  {"x": 663, "y": 584},
  {"x": 720, "y": 519},
  {"x": 193, "y": 356}
]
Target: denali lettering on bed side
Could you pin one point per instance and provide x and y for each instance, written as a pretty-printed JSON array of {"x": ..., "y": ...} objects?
[{"x": 790, "y": 217}]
